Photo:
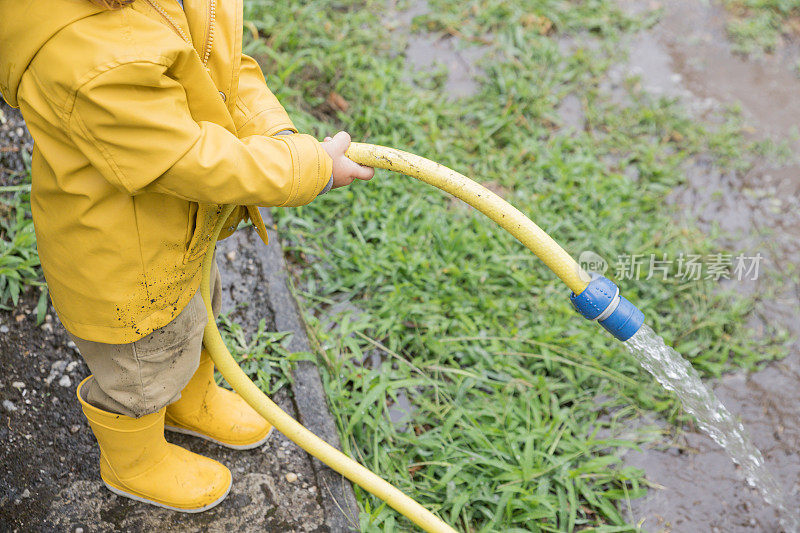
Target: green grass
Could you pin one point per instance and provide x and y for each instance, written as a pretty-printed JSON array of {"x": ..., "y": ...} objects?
[
  {"x": 262, "y": 355},
  {"x": 760, "y": 25},
  {"x": 520, "y": 409},
  {"x": 19, "y": 262}
]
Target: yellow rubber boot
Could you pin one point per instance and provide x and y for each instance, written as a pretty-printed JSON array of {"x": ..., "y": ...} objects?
[
  {"x": 210, "y": 412},
  {"x": 136, "y": 462}
]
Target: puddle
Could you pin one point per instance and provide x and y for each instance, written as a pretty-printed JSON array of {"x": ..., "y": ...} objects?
[
  {"x": 702, "y": 490},
  {"x": 688, "y": 51},
  {"x": 766, "y": 87},
  {"x": 426, "y": 53},
  {"x": 570, "y": 113},
  {"x": 400, "y": 412},
  {"x": 687, "y": 56},
  {"x": 430, "y": 52}
]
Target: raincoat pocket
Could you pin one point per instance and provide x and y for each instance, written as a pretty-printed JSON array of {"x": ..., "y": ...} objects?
[
  {"x": 258, "y": 222},
  {"x": 205, "y": 218}
]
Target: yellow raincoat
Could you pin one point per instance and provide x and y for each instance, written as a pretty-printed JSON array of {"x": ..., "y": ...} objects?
[{"x": 144, "y": 119}]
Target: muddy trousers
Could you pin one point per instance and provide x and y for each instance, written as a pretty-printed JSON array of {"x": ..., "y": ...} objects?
[{"x": 141, "y": 377}]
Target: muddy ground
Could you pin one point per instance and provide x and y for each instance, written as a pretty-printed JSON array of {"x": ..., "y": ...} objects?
[
  {"x": 50, "y": 479},
  {"x": 687, "y": 55},
  {"x": 50, "y": 476}
]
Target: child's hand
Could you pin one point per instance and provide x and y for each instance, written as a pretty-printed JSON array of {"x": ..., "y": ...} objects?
[{"x": 344, "y": 170}]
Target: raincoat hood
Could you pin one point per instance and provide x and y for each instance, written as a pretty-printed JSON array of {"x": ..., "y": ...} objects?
[{"x": 20, "y": 40}]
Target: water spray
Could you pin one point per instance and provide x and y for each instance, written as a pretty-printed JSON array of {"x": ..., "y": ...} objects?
[{"x": 595, "y": 297}]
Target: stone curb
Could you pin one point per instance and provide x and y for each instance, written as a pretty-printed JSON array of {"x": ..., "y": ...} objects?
[{"x": 338, "y": 499}]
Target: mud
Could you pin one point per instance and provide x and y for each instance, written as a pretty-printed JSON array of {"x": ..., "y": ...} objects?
[
  {"x": 50, "y": 478},
  {"x": 51, "y": 481},
  {"x": 687, "y": 56},
  {"x": 765, "y": 86},
  {"x": 15, "y": 144},
  {"x": 429, "y": 53}
]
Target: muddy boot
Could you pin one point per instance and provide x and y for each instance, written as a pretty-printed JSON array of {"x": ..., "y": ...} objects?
[
  {"x": 216, "y": 414},
  {"x": 136, "y": 462}
]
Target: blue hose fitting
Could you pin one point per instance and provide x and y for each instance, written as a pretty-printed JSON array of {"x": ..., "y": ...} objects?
[{"x": 600, "y": 301}]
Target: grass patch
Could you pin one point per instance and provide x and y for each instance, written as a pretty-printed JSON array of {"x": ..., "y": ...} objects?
[
  {"x": 19, "y": 262},
  {"x": 761, "y": 25},
  {"x": 262, "y": 355},
  {"x": 518, "y": 408}
]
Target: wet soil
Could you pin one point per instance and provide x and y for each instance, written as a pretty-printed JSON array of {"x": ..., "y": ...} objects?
[
  {"x": 15, "y": 144},
  {"x": 687, "y": 56},
  {"x": 431, "y": 53},
  {"x": 50, "y": 479},
  {"x": 50, "y": 471}
]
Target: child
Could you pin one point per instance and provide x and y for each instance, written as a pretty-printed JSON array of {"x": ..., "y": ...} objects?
[{"x": 146, "y": 117}]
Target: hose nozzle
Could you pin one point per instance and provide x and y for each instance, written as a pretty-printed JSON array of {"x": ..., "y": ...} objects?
[{"x": 601, "y": 301}]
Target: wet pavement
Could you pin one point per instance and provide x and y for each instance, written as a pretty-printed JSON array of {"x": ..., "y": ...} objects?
[{"x": 688, "y": 56}]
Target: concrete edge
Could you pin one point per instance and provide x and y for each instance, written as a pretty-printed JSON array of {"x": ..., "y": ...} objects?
[{"x": 338, "y": 500}]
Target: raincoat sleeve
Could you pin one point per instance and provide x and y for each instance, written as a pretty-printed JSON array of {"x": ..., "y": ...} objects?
[
  {"x": 133, "y": 123},
  {"x": 257, "y": 111}
]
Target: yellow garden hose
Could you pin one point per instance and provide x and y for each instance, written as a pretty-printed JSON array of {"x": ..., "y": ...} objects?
[
  {"x": 605, "y": 300},
  {"x": 290, "y": 427},
  {"x": 504, "y": 214}
]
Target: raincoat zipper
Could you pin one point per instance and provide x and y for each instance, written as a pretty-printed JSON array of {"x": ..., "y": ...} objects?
[{"x": 212, "y": 12}]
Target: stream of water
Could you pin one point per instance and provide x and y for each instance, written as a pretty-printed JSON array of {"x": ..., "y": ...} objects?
[{"x": 676, "y": 374}]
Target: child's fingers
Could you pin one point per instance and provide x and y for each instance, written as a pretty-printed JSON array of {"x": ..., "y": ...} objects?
[
  {"x": 340, "y": 142},
  {"x": 359, "y": 171},
  {"x": 364, "y": 173}
]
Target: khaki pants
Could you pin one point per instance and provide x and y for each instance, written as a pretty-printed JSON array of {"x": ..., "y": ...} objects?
[{"x": 141, "y": 377}]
